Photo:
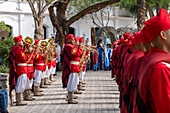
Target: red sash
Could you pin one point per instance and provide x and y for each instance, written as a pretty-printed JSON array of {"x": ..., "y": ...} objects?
[{"x": 66, "y": 54}]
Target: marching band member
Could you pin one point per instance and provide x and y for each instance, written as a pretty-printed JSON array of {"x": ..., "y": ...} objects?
[
  {"x": 38, "y": 72},
  {"x": 83, "y": 63},
  {"x": 21, "y": 69},
  {"x": 70, "y": 67},
  {"x": 54, "y": 64},
  {"x": 30, "y": 69}
]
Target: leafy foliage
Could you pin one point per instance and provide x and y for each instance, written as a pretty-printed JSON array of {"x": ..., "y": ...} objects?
[
  {"x": 4, "y": 69},
  {"x": 5, "y": 47},
  {"x": 131, "y": 5},
  {"x": 3, "y": 26},
  {"x": 79, "y": 5}
]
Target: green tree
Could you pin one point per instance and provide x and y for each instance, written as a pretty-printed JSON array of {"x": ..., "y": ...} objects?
[
  {"x": 139, "y": 7},
  {"x": 77, "y": 8},
  {"x": 5, "y": 47}
]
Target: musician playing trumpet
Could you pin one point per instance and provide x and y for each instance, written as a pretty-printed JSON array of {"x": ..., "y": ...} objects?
[{"x": 70, "y": 67}]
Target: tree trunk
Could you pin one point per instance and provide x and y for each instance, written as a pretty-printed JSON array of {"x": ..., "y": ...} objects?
[
  {"x": 140, "y": 14},
  {"x": 60, "y": 21},
  {"x": 167, "y": 5},
  {"x": 158, "y": 7},
  {"x": 150, "y": 10},
  {"x": 38, "y": 33}
]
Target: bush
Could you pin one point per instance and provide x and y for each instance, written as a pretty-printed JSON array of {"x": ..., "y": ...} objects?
[
  {"x": 4, "y": 69},
  {"x": 5, "y": 47}
]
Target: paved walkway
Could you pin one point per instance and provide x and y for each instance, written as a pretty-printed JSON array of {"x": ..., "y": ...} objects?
[{"x": 101, "y": 96}]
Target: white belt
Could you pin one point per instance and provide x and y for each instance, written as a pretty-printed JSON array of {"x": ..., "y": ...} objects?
[
  {"x": 29, "y": 64},
  {"x": 22, "y": 64},
  {"x": 40, "y": 64},
  {"x": 75, "y": 62}
]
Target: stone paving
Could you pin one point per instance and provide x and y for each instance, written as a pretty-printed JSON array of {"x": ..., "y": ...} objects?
[{"x": 101, "y": 96}]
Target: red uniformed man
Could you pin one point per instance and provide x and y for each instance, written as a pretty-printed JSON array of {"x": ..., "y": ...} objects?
[
  {"x": 83, "y": 63},
  {"x": 38, "y": 72},
  {"x": 70, "y": 67},
  {"x": 153, "y": 94},
  {"x": 21, "y": 69},
  {"x": 30, "y": 72}
]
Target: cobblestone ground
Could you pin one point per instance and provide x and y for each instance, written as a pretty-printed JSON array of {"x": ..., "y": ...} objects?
[{"x": 101, "y": 96}]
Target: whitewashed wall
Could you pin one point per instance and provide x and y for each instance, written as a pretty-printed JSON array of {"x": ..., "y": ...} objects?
[{"x": 9, "y": 12}]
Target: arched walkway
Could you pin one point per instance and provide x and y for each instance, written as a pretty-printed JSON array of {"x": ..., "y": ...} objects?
[{"x": 101, "y": 96}]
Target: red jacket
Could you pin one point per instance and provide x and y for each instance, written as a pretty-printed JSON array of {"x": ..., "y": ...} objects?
[
  {"x": 154, "y": 83},
  {"x": 49, "y": 64},
  {"x": 75, "y": 60},
  {"x": 54, "y": 63},
  {"x": 39, "y": 62},
  {"x": 21, "y": 61}
]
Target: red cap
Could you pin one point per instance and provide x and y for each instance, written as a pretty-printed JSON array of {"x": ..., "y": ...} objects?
[
  {"x": 132, "y": 38},
  {"x": 126, "y": 35},
  {"x": 37, "y": 41},
  {"x": 125, "y": 42},
  {"x": 130, "y": 46},
  {"x": 115, "y": 42},
  {"x": 143, "y": 36},
  {"x": 155, "y": 25},
  {"x": 122, "y": 39},
  {"x": 70, "y": 36},
  {"x": 76, "y": 38},
  {"x": 18, "y": 39},
  {"x": 81, "y": 39},
  {"x": 137, "y": 36}
]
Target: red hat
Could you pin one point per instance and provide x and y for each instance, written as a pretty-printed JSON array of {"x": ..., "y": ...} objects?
[
  {"x": 130, "y": 46},
  {"x": 37, "y": 41},
  {"x": 118, "y": 41},
  {"x": 81, "y": 39},
  {"x": 137, "y": 36},
  {"x": 126, "y": 35},
  {"x": 125, "y": 42},
  {"x": 122, "y": 39},
  {"x": 76, "y": 38},
  {"x": 18, "y": 39},
  {"x": 115, "y": 42},
  {"x": 155, "y": 25},
  {"x": 70, "y": 36},
  {"x": 143, "y": 36},
  {"x": 132, "y": 38}
]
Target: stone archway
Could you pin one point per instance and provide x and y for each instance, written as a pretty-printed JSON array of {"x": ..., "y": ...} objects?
[{"x": 106, "y": 30}]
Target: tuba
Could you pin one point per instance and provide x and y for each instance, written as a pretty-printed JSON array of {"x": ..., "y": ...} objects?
[
  {"x": 28, "y": 42},
  {"x": 43, "y": 44}
]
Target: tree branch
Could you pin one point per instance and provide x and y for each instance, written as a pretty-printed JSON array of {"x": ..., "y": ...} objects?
[
  {"x": 101, "y": 14},
  {"x": 108, "y": 19},
  {"x": 97, "y": 18},
  {"x": 52, "y": 17},
  {"x": 93, "y": 8},
  {"x": 48, "y": 4},
  {"x": 91, "y": 15},
  {"x": 33, "y": 10}
]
